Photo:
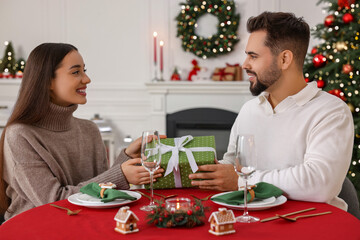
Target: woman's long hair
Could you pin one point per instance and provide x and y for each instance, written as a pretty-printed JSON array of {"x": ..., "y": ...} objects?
[{"x": 34, "y": 96}]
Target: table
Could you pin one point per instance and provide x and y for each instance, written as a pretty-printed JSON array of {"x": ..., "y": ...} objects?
[{"x": 47, "y": 222}]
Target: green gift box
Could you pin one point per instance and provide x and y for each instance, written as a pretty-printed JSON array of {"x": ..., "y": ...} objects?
[{"x": 180, "y": 157}]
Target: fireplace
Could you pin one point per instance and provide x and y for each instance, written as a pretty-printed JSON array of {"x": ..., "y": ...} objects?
[{"x": 202, "y": 122}]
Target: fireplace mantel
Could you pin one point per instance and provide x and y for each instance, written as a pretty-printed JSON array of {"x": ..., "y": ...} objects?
[{"x": 170, "y": 97}]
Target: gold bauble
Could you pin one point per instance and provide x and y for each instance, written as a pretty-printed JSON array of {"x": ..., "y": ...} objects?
[
  {"x": 340, "y": 46},
  {"x": 352, "y": 109}
]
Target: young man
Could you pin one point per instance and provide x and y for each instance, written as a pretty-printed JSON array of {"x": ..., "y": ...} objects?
[{"x": 304, "y": 136}]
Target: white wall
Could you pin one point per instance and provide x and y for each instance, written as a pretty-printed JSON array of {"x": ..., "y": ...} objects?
[{"x": 115, "y": 39}]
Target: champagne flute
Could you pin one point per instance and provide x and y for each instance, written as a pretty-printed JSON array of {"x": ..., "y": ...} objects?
[
  {"x": 150, "y": 159},
  {"x": 245, "y": 166}
]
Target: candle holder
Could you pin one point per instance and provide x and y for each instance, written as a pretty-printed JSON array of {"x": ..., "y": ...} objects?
[
  {"x": 174, "y": 205},
  {"x": 155, "y": 79},
  {"x": 161, "y": 76},
  {"x": 178, "y": 212}
]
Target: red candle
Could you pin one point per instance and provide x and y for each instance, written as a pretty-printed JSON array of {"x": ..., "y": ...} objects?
[
  {"x": 161, "y": 56},
  {"x": 155, "y": 35}
]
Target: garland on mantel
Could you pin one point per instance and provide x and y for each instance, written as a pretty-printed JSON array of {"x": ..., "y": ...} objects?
[{"x": 220, "y": 43}]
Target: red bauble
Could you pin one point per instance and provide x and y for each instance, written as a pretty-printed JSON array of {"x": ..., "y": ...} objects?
[
  {"x": 189, "y": 212},
  {"x": 329, "y": 20},
  {"x": 314, "y": 50},
  {"x": 319, "y": 60},
  {"x": 347, "y": 68},
  {"x": 345, "y": 3},
  {"x": 320, "y": 83},
  {"x": 338, "y": 93},
  {"x": 347, "y": 18},
  {"x": 307, "y": 79}
]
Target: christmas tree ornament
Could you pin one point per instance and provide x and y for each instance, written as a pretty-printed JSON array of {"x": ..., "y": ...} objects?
[
  {"x": 319, "y": 60},
  {"x": 347, "y": 68},
  {"x": 314, "y": 50},
  {"x": 175, "y": 76},
  {"x": 345, "y": 4},
  {"x": 329, "y": 20},
  {"x": 218, "y": 44},
  {"x": 320, "y": 83},
  {"x": 341, "y": 45},
  {"x": 347, "y": 18},
  {"x": 351, "y": 107}
]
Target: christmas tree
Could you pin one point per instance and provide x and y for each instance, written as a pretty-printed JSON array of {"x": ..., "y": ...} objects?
[
  {"x": 334, "y": 64},
  {"x": 8, "y": 65}
]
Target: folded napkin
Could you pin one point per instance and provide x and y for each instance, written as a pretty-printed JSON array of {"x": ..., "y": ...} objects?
[
  {"x": 262, "y": 190},
  {"x": 93, "y": 189}
]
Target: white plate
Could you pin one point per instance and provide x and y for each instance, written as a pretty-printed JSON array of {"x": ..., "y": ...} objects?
[
  {"x": 85, "y": 200},
  {"x": 278, "y": 201}
]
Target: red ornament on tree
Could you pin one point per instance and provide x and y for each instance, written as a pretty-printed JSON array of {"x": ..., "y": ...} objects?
[
  {"x": 320, "y": 83},
  {"x": 189, "y": 212},
  {"x": 307, "y": 79},
  {"x": 329, "y": 20},
  {"x": 345, "y": 3},
  {"x": 347, "y": 68},
  {"x": 338, "y": 93},
  {"x": 347, "y": 18},
  {"x": 314, "y": 50},
  {"x": 319, "y": 60}
]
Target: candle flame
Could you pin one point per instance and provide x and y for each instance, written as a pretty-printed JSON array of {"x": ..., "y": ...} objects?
[
  {"x": 177, "y": 205},
  {"x": 161, "y": 43},
  {"x": 155, "y": 34}
]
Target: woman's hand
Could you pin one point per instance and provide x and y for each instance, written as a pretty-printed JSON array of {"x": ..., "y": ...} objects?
[
  {"x": 134, "y": 149},
  {"x": 137, "y": 174}
]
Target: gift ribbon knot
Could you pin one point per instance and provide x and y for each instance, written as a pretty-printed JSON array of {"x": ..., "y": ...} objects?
[
  {"x": 222, "y": 73},
  {"x": 173, "y": 164}
]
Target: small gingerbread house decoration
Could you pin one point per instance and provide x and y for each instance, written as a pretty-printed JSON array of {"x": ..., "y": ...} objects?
[
  {"x": 222, "y": 222},
  {"x": 126, "y": 221}
]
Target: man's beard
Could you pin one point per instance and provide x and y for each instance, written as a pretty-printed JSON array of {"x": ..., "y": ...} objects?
[{"x": 263, "y": 83}]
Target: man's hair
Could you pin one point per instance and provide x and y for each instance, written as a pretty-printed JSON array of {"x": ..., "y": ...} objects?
[{"x": 284, "y": 31}]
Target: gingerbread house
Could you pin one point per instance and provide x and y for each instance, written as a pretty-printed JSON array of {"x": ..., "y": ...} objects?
[
  {"x": 126, "y": 221},
  {"x": 222, "y": 222}
]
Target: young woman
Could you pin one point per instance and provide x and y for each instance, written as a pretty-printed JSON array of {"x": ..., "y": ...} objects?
[{"x": 46, "y": 154}]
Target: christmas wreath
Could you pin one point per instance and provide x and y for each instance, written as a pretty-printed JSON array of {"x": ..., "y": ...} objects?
[
  {"x": 163, "y": 218},
  {"x": 220, "y": 43}
]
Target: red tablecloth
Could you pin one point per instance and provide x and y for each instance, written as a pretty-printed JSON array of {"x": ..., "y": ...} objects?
[{"x": 46, "y": 222}]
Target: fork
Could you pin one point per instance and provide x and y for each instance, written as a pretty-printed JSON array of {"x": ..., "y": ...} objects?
[
  {"x": 163, "y": 196},
  {"x": 69, "y": 212}
]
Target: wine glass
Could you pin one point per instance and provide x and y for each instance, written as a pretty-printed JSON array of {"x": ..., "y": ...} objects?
[
  {"x": 245, "y": 166},
  {"x": 150, "y": 159}
]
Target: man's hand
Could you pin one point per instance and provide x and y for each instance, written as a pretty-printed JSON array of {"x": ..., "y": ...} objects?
[
  {"x": 217, "y": 177},
  {"x": 137, "y": 174}
]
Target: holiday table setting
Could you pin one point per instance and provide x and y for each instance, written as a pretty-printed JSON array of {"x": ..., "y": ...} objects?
[
  {"x": 48, "y": 222},
  {"x": 177, "y": 210}
]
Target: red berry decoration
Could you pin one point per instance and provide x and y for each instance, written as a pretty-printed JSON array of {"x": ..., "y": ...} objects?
[
  {"x": 347, "y": 18},
  {"x": 189, "y": 212},
  {"x": 329, "y": 20},
  {"x": 319, "y": 60},
  {"x": 197, "y": 208},
  {"x": 347, "y": 68},
  {"x": 314, "y": 50},
  {"x": 320, "y": 83}
]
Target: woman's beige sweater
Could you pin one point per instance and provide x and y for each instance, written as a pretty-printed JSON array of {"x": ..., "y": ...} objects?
[{"x": 53, "y": 159}]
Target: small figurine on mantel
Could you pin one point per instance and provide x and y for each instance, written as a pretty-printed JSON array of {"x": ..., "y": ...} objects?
[
  {"x": 194, "y": 70},
  {"x": 222, "y": 222},
  {"x": 126, "y": 221}
]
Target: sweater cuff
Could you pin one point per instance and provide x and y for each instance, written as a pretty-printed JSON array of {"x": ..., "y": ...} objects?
[{"x": 123, "y": 157}]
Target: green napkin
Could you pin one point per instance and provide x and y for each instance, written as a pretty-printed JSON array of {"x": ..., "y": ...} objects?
[
  {"x": 93, "y": 189},
  {"x": 262, "y": 190}
]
